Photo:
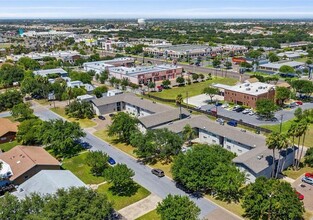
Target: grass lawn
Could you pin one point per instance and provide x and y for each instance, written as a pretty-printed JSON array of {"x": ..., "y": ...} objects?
[
  {"x": 286, "y": 125},
  {"x": 232, "y": 207},
  {"x": 120, "y": 202},
  {"x": 78, "y": 166},
  {"x": 103, "y": 134},
  {"x": 193, "y": 89},
  {"x": 153, "y": 215},
  {"x": 302, "y": 59},
  {"x": 8, "y": 146},
  {"x": 295, "y": 174},
  {"x": 84, "y": 123}
]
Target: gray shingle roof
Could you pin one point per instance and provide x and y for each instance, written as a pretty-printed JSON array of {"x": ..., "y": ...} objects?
[
  {"x": 48, "y": 182},
  {"x": 133, "y": 100},
  {"x": 203, "y": 122},
  {"x": 162, "y": 117}
]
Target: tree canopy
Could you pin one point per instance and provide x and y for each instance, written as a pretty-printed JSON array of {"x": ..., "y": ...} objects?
[
  {"x": 282, "y": 94},
  {"x": 175, "y": 207},
  {"x": 266, "y": 108},
  {"x": 11, "y": 73},
  {"x": 211, "y": 91},
  {"x": 98, "y": 161},
  {"x": 123, "y": 125},
  {"x": 209, "y": 169},
  {"x": 286, "y": 69},
  {"x": 10, "y": 98},
  {"x": 22, "y": 111},
  {"x": 79, "y": 109},
  {"x": 271, "y": 199},
  {"x": 74, "y": 203}
]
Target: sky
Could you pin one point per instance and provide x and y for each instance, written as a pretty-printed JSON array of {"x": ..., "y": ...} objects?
[{"x": 17, "y": 9}]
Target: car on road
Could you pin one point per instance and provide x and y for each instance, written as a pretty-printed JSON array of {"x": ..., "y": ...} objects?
[
  {"x": 251, "y": 113},
  {"x": 300, "y": 196},
  {"x": 307, "y": 180},
  {"x": 246, "y": 111},
  {"x": 101, "y": 117},
  {"x": 218, "y": 104},
  {"x": 158, "y": 172},
  {"x": 111, "y": 161},
  {"x": 309, "y": 175},
  {"x": 232, "y": 123},
  {"x": 85, "y": 145},
  {"x": 235, "y": 108}
]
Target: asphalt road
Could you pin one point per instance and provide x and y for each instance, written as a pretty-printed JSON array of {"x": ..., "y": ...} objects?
[{"x": 159, "y": 186}]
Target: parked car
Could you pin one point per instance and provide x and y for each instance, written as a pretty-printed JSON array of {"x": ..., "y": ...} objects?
[
  {"x": 221, "y": 121},
  {"x": 300, "y": 196},
  {"x": 232, "y": 123},
  {"x": 299, "y": 102},
  {"x": 218, "y": 104},
  {"x": 85, "y": 145},
  {"x": 309, "y": 175},
  {"x": 111, "y": 115},
  {"x": 246, "y": 111},
  {"x": 293, "y": 104},
  {"x": 158, "y": 172},
  {"x": 240, "y": 109},
  {"x": 307, "y": 180},
  {"x": 225, "y": 105},
  {"x": 111, "y": 161},
  {"x": 251, "y": 113},
  {"x": 235, "y": 108},
  {"x": 101, "y": 117}
]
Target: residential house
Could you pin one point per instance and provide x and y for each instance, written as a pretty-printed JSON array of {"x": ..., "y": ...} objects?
[{"x": 8, "y": 130}]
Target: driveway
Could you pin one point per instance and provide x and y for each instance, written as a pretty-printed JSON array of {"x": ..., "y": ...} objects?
[
  {"x": 158, "y": 186},
  {"x": 307, "y": 191},
  {"x": 140, "y": 208},
  {"x": 288, "y": 114}
]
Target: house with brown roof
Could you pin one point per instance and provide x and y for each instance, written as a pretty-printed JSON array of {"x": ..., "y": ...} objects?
[
  {"x": 8, "y": 130},
  {"x": 22, "y": 162}
]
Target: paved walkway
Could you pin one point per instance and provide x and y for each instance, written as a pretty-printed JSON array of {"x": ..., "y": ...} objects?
[{"x": 141, "y": 207}]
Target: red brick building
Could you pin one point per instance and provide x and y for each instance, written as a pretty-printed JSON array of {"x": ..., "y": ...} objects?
[{"x": 247, "y": 93}]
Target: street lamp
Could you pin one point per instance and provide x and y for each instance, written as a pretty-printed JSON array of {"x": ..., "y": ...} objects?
[{"x": 281, "y": 122}]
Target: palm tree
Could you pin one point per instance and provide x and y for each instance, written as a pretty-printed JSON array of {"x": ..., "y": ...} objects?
[
  {"x": 272, "y": 143},
  {"x": 282, "y": 144},
  {"x": 293, "y": 132},
  {"x": 188, "y": 133},
  {"x": 179, "y": 100},
  {"x": 303, "y": 129}
]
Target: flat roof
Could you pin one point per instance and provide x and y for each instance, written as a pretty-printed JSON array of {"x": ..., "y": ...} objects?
[
  {"x": 278, "y": 65},
  {"x": 142, "y": 69},
  {"x": 255, "y": 89},
  {"x": 49, "y": 71}
]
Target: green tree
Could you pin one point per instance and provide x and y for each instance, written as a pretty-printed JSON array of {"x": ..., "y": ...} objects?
[
  {"x": 266, "y": 108},
  {"x": 254, "y": 54},
  {"x": 195, "y": 77},
  {"x": 121, "y": 178},
  {"x": 303, "y": 86},
  {"x": 272, "y": 143},
  {"x": 166, "y": 83},
  {"x": 28, "y": 63},
  {"x": 179, "y": 100},
  {"x": 177, "y": 207},
  {"x": 308, "y": 158},
  {"x": 104, "y": 76},
  {"x": 29, "y": 132},
  {"x": 99, "y": 91},
  {"x": 271, "y": 199},
  {"x": 98, "y": 161},
  {"x": 80, "y": 110},
  {"x": 286, "y": 69},
  {"x": 188, "y": 133},
  {"x": 60, "y": 136},
  {"x": 122, "y": 126},
  {"x": 282, "y": 94},
  {"x": 228, "y": 65},
  {"x": 211, "y": 91},
  {"x": 80, "y": 76},
  {"x": 180, "y": 80},
  {"x": 22, "y": 111},
  {"x": 10, "y": 98},
  {"x": 195, "y": 169},
  {"x": 10, "y": 74},
  {"x": 273, "y": 57},
  {"x": 216, "y": 63}
]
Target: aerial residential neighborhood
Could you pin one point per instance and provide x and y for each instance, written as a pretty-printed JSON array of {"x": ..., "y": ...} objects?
[{"x": 156, "y": 113}]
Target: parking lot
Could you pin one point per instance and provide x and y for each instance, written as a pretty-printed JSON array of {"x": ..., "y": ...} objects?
[
  {"x": 306, "y": 190},
  {"x": 288, "y": 114}
]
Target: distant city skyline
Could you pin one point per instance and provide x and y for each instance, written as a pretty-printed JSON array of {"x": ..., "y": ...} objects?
[{"x": 16, "y": 9}]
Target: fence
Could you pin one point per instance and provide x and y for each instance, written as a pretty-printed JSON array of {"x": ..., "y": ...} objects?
[{"x": 240, "y": 122}]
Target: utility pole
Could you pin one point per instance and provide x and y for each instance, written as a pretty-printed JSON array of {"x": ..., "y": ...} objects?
[
  {"x": 187, "y": 100},
  {"x": 281, "y": 122}
]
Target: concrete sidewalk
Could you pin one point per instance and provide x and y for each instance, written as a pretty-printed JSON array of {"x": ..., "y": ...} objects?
[{"x": 140, "y": 208}]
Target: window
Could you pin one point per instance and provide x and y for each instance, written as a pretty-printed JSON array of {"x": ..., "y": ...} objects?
[{"x": 3, "y": 138}]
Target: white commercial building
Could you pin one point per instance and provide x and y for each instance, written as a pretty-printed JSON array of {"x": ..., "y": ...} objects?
[{"x": 100, "y": 66}]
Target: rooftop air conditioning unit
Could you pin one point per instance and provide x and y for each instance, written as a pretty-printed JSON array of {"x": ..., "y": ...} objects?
[{"x": 248, "y": 89}]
